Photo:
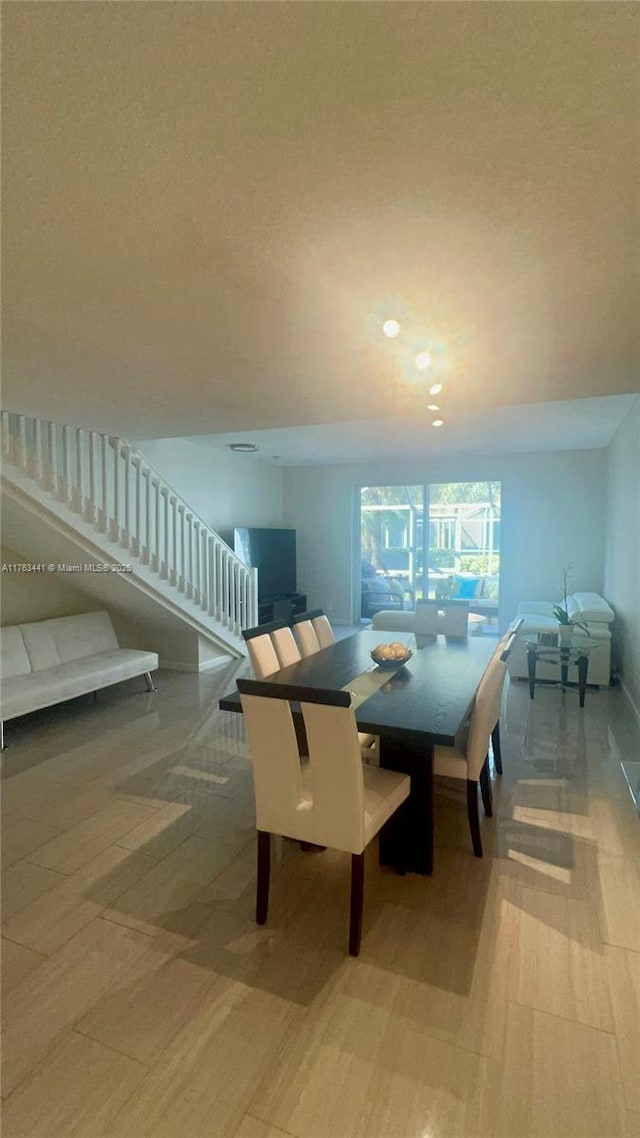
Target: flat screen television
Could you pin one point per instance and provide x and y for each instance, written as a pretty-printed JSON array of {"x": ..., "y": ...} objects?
[{"x": 273, "y": 553}]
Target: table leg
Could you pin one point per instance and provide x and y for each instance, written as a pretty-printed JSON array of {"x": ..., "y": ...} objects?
[
  {"x": 564, "y": 667},
  {"x": 583, "y": 668},
  {"x": 406, "y": 841},
  {"x": 531, "y": 668}
]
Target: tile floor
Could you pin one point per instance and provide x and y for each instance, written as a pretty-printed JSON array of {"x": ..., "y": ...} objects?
[{"x": 499, "y": 998}]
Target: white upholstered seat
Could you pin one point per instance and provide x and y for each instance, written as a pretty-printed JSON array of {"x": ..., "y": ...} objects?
[
  {"x": 336, "y": 801},
  {"x": 285, "y": 645},
  {"x": 471, "y": 762},
  {"x": 323, "y": 630},
  {"x": 306, "y": 636}
]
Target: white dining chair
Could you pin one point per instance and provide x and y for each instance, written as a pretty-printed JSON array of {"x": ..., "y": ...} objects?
[
  {"x": 306, "y": 635},
  {"x": 323, "y": 629},
  {"x": 471, "y": 763},
  {"x": 262, "y": 653},
  {"x": 333, "y": 800},
  {"x": 285, "y": 645}
]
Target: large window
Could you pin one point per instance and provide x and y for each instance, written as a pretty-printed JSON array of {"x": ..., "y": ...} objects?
[{"x": 437, "y": 540}]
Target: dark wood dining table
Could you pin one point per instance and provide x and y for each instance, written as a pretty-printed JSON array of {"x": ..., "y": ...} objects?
[{"x": 415, "y": 707}]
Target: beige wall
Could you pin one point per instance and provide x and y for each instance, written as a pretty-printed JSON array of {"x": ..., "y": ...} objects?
[
  {"x": 622, "y": 552},
  {"x": 38, "y": 596},
  {"x": 553, "y": 512}
]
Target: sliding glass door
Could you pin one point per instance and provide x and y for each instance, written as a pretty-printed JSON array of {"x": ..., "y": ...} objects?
[{"x": 433, "y": 540}]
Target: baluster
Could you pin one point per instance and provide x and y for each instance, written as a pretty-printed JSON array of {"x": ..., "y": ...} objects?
[
  {"x": 182, "y": 581},
  {"x": 76, "y": 494},
  {"x": 90, "y": 504},
  {"x": 226, "y": 594},
  {"x": 115, "y": 529},
  {"x": 6, "y": 436},
  {"x": 204, "y": 590},
  {"x": 104, "y": 520},
  {"x": 211, "y": 575},
  {"x": 253, "y": 618},
  {"x": 189, "y": 574},
  {"x": 135, "y": 544},
  {"x": 155, "y": 560},
  {"x": 219, "y": 581},
  {"x": 126, "y": 537},
  {"x": 146, "y": 554},
  {"x": 53, "y": 457},
  {"x": 65, "y": 482},
  {"x": 173, "y": 576},
  {"x": 22, "y": 442},
  {"x": 244, "y": 603},
  {"x": 38, "y": 470},
  {"x": 165, "y": 566}
]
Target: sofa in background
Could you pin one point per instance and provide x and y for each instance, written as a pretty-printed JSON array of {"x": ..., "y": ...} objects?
[
  {"x": 591, "y": 610},
  {"x": 394, "y": 621},
  {"x": 50, "y": 661}
]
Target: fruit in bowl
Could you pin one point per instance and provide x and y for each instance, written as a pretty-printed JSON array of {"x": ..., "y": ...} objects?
[{"x": 390, "y": 655}]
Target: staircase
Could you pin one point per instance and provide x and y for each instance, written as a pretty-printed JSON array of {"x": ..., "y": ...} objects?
[{"x": 100, "y": 493}]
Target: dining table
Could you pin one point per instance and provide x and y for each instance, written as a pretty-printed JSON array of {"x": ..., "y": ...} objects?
[{"x": 410, "y": 707}]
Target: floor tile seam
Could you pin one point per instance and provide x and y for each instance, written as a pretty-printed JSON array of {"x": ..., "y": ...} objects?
[
  {"x": 623, "y": 1080},
  {"x": 76, "y": 1030},
  {"x": 266, "y": 1122},
  {"x": 565, "y": 1019},
  {"x": 40, "y": 1062},
  {"x": 18, "y": 943}
]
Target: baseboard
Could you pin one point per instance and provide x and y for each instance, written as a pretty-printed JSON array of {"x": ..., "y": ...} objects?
[
  {"x": 218, "y": 662},
  {"x": 635, "y": 710},
  {"x": 177, "y": 665},
  {"x": 184, "y": 666}
]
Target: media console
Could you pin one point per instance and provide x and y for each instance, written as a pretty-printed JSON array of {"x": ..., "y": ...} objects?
[{"x": 281, "y": 608}]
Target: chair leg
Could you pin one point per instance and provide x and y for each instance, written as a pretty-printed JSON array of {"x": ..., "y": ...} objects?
[
  {"x": 357, "y": 897},
  {"x": 150, "y": 684},
  {"x": 485, "y": 789},
  {"x": 264, "y": 871},
  {"x": 473, "y": 816},
  {"x": 495, "y": 743}
]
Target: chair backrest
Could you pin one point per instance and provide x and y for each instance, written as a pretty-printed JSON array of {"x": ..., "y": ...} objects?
[
  {"x": 449, "y": 617},
  {"x": 485, "y": 714},
  {"x": 262, "y": 653},
  {"x": 323, "y": 629},
  {"x": 333, "y": 815},
  {"x": 286, "y": 648},
  {"x": 305, "y": 634}
]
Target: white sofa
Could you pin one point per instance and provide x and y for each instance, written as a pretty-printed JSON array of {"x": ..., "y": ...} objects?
[
  {"x": 591, "y": 610},
  {"x": 53, "y": 660},
  {"x": 392, "y": 620}
]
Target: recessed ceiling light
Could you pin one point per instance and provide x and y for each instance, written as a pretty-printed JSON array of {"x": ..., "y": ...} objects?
[
  {"x": 432, "y": 407},
  {"x": 244, "y": 448},
  {"x": 391, "y": 329},
  {"x": 437, "y": 423},
  {"x": 435, "y": 389},
  {"x": 423, "y": 361}
]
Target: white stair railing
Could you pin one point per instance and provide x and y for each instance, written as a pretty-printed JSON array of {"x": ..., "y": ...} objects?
[{"x": 110, "y": 485}]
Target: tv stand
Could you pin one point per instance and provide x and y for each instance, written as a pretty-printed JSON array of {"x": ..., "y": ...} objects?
[{"x": 281, "y": 608}]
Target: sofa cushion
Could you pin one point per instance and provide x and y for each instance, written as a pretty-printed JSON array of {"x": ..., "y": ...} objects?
[
  {"x": 22, "y": 694},
  {"x": 40, "y": 645},
  {"x": 591, "y": 607},
  {"x": 83, "y": 635},
  {"x": 15, "y": 660}
]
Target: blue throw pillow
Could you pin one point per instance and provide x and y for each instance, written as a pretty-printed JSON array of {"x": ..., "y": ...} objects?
[{"x": 468, "y": 586}]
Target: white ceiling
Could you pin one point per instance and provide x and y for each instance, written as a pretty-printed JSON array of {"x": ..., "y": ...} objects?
[
  {"x": 572, "y": 425},
  {"x": 210, "y": 208}
]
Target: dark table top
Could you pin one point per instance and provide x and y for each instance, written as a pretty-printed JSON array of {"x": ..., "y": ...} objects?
[{"x": 427, "y": 700}]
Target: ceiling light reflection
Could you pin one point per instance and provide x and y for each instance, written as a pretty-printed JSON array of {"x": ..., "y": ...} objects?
[{"x": 391, "y": 329}]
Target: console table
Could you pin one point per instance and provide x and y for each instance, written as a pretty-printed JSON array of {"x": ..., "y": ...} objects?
[
  {"x": 281, "y": 608},
  {"x": 572, "y": 649}
]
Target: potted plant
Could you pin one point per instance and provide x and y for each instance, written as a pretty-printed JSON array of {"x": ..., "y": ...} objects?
[{"x": 561, "y": 613}]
